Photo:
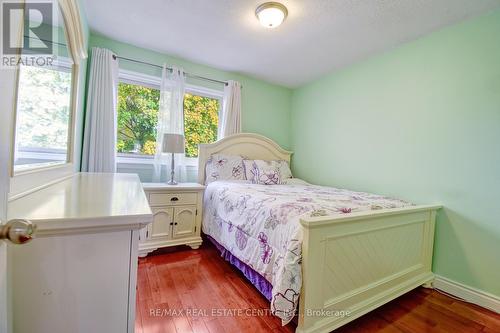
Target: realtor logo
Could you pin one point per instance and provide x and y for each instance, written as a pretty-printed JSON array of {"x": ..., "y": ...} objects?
[{"x": 36, "y": 46}]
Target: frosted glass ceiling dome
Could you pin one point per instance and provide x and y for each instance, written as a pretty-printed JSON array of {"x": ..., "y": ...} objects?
[{"x": 271, "y": 14}]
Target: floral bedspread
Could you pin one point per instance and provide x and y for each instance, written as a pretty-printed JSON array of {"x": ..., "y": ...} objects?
[{"x": 259, "y": 224}]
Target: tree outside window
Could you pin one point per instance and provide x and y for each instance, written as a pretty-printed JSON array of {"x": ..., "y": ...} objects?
[
  {"x": 138, "y": 117},
  {"x": 43, "y": 115}
]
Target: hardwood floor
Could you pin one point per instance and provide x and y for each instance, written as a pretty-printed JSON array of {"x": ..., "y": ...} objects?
[{"x": 184, "y": 290}]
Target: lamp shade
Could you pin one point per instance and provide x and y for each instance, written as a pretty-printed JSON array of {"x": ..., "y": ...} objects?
[{"x": 173, "y": 143}]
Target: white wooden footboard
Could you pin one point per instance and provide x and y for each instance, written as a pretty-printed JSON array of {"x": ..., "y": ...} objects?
[{"x": 356, "y": 262}]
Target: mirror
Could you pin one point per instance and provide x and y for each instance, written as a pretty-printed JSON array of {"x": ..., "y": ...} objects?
[{"x": 44, "y": 108}]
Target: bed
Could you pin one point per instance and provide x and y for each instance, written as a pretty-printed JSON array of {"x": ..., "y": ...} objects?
[{"x": 328, "y": 255}]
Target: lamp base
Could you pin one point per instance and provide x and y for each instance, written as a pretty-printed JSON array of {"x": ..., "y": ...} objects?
[{"x": 172, "y": 172}]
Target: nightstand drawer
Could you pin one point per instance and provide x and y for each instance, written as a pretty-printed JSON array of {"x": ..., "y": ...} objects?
[{"x": 162, "y": 199}]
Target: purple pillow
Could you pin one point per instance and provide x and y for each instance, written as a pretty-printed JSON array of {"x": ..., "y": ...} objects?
[{"x": 267, "y": 172}]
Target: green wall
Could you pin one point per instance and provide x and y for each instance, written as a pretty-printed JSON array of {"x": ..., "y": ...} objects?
[
  {"x": 265, "y": 107},
  {"x": 421, "y": 122}
]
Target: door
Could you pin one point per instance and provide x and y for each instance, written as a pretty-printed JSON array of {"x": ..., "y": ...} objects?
[
  {"x": 184, "y": 221},
  {"x": 8, "y": 84},
  {"x": 162, "y": 223},
  {"x": 7, "y": 97}
]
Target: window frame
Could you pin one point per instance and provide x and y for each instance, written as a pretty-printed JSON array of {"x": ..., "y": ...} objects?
[{"x": 154, "y": 82}]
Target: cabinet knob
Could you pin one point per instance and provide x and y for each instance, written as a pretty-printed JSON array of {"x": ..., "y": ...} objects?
[{"x": 174, "y": 199}]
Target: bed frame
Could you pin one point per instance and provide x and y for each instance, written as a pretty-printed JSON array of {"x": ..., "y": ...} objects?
[{"x": 352, "y": 263}]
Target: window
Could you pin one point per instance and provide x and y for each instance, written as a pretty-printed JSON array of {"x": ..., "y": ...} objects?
[
  {"x": 43, "y": 115},
  {"x": 137, "y": 118},
  {"x": 201, "y": 117},
  {"x": 138, "y": 106}
]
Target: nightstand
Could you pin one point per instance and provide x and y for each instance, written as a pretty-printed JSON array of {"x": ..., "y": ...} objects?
[{"x": 177, "y": 211}]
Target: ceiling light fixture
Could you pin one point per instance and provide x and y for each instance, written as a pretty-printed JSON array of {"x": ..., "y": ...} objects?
[{"x": 271, "y": 14}]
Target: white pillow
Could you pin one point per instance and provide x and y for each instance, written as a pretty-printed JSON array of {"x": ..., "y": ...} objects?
[
  {"x": 267, "y": 172},
  {"x": 296, "y": 181},
  {"x": 224, "y": 167}
]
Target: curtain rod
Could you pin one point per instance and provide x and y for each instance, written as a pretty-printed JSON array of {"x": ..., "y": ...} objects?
[
  {"x": 193, "y": 76},
  {"x": 45, "y": 40}
]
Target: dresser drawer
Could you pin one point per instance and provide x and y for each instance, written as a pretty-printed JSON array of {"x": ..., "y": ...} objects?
[{"x": 162, "y": 199}]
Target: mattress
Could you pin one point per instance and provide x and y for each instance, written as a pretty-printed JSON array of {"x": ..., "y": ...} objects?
[{"x": 259, "y": 225}]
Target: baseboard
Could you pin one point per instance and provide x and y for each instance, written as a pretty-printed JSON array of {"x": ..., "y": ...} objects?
[{"x": 469, "y": 294}]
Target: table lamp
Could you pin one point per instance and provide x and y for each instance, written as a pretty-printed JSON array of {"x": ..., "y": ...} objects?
[{"x": 174, "y": 144}]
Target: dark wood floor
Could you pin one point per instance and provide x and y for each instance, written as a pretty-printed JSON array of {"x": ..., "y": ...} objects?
[{"x": 177, "y": 281}]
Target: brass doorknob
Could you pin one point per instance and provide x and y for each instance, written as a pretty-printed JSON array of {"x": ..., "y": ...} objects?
[{"x": 18, "y": 231}]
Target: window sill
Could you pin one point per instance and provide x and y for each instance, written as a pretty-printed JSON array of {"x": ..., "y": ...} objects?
[{"x": 188, "y": 161}]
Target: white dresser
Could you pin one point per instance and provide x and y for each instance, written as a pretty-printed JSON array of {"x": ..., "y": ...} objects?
[
  {"x": 177, "y": 212},
  {"x": 79, "y": 273}
]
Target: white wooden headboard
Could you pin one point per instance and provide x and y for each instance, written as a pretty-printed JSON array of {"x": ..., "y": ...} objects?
[{"x": 249, "y": 145}]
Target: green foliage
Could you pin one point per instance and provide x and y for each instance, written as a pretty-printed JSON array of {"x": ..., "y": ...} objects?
[
  {"x": 149, "y": 147},
  {"x": 43, "y": 108},
  {"x": 138, "y": 117},
  {"x": 201, "y": 115}
]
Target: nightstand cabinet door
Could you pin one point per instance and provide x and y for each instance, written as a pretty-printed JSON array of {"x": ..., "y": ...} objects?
[
  {"x": 184, "y": 221},
  {"x": 162, "y": 222}
]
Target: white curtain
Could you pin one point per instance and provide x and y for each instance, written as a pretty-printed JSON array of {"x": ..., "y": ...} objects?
[
  {"x": 230, "y": 119},
  {"x": 170, "y": 120},
  {"x": 99, "y": 145}
]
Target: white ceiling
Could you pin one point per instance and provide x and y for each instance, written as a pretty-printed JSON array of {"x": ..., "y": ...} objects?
[{"x": 318, "y": 36}]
